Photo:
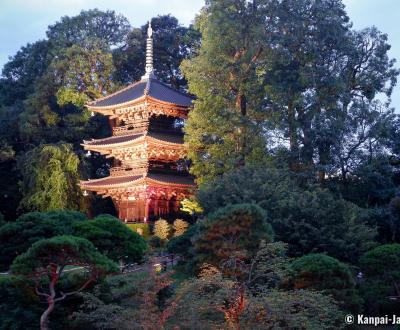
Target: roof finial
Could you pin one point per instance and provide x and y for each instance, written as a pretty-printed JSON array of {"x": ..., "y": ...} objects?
[{"x": 149, "y": 54}]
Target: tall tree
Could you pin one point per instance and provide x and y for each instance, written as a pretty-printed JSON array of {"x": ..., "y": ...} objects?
[
  {"x": 106, "y": 26},
  {"x": 322, "y": 81},
  {"x": 222, "y": 131},
  {"x": 50, "y": 179},
  {"x": 21, "y": 71}
]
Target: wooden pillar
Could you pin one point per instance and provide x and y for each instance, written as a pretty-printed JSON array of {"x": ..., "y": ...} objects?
[
  {"x": 167, "y": 201},
  {"x": 146, "y": 210},
  {"x": 156, "y": 208}
]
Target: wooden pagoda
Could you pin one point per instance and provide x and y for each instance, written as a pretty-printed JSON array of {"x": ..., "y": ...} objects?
[{"x": 149, "y": 178}]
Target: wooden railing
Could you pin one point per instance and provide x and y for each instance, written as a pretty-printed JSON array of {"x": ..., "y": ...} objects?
[
  {"x": 137, "y": 127},
  {"x": 140, "y": 127},
  {"x": 125, "y": 171}
]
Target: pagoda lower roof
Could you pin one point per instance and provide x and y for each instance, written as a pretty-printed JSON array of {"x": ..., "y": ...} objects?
[
  {"x": 124, "y": 181},
  {"x": 126, "y": 139},
  {"x": 145, "y": 87}
]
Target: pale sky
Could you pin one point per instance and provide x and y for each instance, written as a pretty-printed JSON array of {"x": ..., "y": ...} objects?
[{"x": 23, "y": 21}]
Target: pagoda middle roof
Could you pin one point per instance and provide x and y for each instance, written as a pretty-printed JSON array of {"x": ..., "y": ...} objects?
[
  {"x": 117, "y": 181},
  {"x": 112, "y": 140},
  {"x": 150, "y": 87}
]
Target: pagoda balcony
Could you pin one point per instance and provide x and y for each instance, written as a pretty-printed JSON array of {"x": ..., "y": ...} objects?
[
  {"x": 140, "y": 169},
  {"x": 131, "y": 128},
  {"x": 137, "y": 128}
]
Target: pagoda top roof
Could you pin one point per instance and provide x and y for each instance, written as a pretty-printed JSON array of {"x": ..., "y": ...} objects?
[
  {"x": 124, "y": 139},
  {"x": 123, "y": 181},
  {"x": 145, "y": 87}
]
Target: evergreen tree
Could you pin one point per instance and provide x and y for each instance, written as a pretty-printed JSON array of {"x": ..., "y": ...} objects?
[
  {"x": 46, "y": 261},
  {"x": 235, "y": 230},
  {"x": 223, "y": 129}
]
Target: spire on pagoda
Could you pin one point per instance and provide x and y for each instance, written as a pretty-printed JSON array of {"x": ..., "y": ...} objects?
[
  {"x": 148, "y": 179},
  {"x": 149, "y": 73}
]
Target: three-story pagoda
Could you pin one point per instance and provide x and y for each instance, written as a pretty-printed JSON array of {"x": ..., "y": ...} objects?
[{"x": 150, "y": 178}]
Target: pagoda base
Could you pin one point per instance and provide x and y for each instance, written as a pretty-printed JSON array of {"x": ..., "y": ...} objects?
[{"x": 144, "y": 210}]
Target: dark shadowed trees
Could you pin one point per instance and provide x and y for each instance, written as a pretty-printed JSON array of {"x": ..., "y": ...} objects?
[{"x": 112, "y": 238}]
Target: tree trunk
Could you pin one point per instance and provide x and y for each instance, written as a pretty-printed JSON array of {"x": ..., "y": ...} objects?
[
  {"x": 323, "y": 153},
  {"x": 44, "y": 319},
  {"x": 241, "y": 105},
  {"x": 293, "y": 143}
]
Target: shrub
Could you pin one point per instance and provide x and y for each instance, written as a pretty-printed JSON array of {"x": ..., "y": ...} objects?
[
  {"x": 183, "y": 244},
  {"x": 180, "y": 226},
  {"x": 155, "y": 242},
  {"x": 235, "y": 230},
  {"x": 311, "y": 220},
  {"x": 324, "y": 273},
  {"x": 17, "y": 237},
  {"x": 112, "y": 238},
  {"x": 162, "y": 229},
  {"x": 381, "y": 268}
]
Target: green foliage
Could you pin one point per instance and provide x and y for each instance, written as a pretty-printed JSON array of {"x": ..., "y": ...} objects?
[
  {"x": 297, "y": 309},
  {"x": 110, "y": 303},
  {"x": 223, "y": 130},
  {"x": 235, "y": 230},
  {"x": 162, "y": 229},
  {"x": 183, "y": 244},
  {"x": 19, "y": 309},
  {"x": 82, "y": 74},
  {"x": 318, "y": 221},
  {"x": 340, "y": 123},
  {"x": 381, "y": 268},
  {"x": 50, "y": 179},
  {"x": 21, "y": 71},
  {"x": 62, "y": 251},
  {"x": 88, "y": 25},
  {"x": 326, "y": 274},
  {"x": 197, "y": 301},
  {"x": 203, "y": 301},
  {"x": 143, "y": 229},
  {"x": 270, "y": 267},
  {"x": 17, "y": 237},
  {"x": 249, "y": 184},
  {"x": 46, "y": 260},
  {"x": 310, "y": 220},
  {"x": 155, "y": 242},
  {"x": 112, "y": 238},
  {"x": 128, "y": 301}
]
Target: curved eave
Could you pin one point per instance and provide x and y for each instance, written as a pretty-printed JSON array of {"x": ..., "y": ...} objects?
[
  {"x": 130, "y": 143},
  {"x": 169, "y": 183},
  {"x": 118, "y": 105},
  {"x": 88, "y": 185},
  {"x": 98, "y": 185},
  {"x": 142, "y": 99},
  {"x": 154, "y": 100},
  {"x": 113, "y": 145},
  {"x": 154, "y": 140}
]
